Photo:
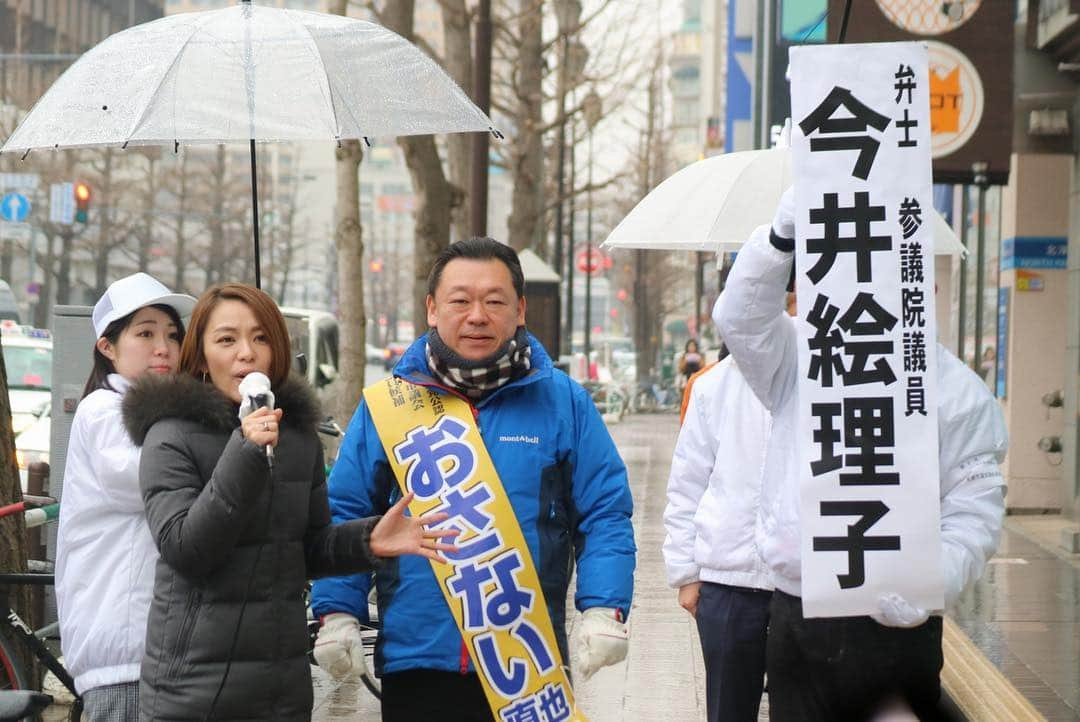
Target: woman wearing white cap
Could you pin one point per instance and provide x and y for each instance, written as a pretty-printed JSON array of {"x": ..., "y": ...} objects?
[{"x": 105, "y": 556}]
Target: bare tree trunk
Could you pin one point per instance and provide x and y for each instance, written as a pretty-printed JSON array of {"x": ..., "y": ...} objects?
[
  {"x": 44, "y": 304},
  {"x": 644, "y": 307},
  {"x": 432, "y": 227},
  {"x": 527, "y": 159},
  {"x": 433, "y": 192},
  {"x": 348, "y": 235},
  {"x": 63, "y": 277},
  {"x": 217, "y": 219},
  {"x": 458, "y": 62},
  {"x": 12, "y": 528},
  {"x": 181, "y": 241},
  {"x": 104, "y": 245},
  {"x": 147, "y": 239}
]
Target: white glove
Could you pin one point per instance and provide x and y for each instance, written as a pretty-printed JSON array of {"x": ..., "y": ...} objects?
[
  {"x": 604, "y": 640},
  {"x": 895, "y": 611},
  {"x": 338, "y": 647},
  {"x": 783, "y": 223}
]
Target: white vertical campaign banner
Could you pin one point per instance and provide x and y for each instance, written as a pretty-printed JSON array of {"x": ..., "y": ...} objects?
[{"x": 869, "y": 488}]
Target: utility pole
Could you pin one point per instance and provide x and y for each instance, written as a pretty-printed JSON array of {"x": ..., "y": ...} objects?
[
  {"x": 481, "y": 141},
  {"x": 557, "y": 258},
  {"x": 571, "y": 260},
  {"x": 979, "y": 170},
  {"x": 592, "y": 109}
]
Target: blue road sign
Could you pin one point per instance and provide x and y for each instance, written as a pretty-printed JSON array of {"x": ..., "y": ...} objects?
[{"x": 14, "y": 207}]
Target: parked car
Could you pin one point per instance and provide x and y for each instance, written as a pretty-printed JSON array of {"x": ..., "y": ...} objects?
[
  {"x": 9, "y": 309},
  {"x": 314, "y": 339},
  {"x": 28, "y": 360},
  {"x": 373, "y": 354},
  {"x": 394, "y": 351},
  {"x": 32, "y": 444}
]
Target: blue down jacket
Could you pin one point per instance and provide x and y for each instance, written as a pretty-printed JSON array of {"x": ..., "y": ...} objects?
[{"x": 567, "y": 485}]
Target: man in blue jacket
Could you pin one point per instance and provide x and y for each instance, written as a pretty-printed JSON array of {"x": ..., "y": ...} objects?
[{"x": 559, "y": 467}]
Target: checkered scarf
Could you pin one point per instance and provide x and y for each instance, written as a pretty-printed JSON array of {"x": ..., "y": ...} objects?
[{"x": 477, "y": 379}]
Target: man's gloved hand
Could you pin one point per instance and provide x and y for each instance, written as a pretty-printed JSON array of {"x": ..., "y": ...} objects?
[
  {"x": 783, "y": 224},
  {"x": 338, "y": 647},
  {"x": 895, "y": 611},
  {"x": 604, "y": 640}
]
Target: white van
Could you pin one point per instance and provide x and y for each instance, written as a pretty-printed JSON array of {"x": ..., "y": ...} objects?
[{"x": 28, "y": 359}]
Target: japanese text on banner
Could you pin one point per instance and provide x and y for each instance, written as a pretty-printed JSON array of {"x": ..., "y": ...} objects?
[
  {"x": 490, "y": 583},
  {"x": 869, "y": 488}
]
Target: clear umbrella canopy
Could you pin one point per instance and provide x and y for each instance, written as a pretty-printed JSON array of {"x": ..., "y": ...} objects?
[
  {"x": 716, "y": 203},
  {"x": 247, "y": 72}
]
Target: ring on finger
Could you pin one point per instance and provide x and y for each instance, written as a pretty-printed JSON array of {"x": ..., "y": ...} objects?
[{"x": 266, "y": 426}]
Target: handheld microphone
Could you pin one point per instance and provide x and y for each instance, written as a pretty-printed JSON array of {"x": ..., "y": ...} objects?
[{"x": 256, "y": 394}]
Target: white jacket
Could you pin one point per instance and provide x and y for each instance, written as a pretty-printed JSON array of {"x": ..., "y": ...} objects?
[
  {"x": 972, "y": 439},
  {"x": 105, "y": 556},
  {"x": 715, "y": 485}
]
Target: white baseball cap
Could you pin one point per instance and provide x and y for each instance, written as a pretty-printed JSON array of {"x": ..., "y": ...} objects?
[{"x": 133, "y": 292}]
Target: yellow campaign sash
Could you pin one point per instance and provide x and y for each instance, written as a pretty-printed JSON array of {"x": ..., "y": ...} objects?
[{"x": 490, "y": 584}]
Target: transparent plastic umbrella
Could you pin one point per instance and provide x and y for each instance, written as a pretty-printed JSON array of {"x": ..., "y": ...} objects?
[
  {"x": 714, "y": 204},
  {"x": 247, "y": 73}
]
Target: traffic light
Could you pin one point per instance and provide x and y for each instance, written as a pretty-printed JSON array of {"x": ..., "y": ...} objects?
[{"x": 82, "y": 202}]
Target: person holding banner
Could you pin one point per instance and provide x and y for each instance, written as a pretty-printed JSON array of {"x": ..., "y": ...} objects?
[
  {"x": 477, "y": 422},
  {"x": 848, "y": 667}
]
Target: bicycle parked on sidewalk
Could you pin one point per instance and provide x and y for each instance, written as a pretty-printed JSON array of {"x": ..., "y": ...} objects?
[
  {"x": 15, "y": 633},
  {"x": 655, "y": 395},
  {"x": 369, "y": 631}
]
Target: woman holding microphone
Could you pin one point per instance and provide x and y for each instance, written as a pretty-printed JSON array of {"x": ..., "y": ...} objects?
[{"x": 240, "y": 534}]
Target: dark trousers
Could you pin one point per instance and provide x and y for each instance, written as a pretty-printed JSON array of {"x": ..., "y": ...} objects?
[
  {"x": 423, "y": 695},
  {"x": 847, "y": 668},
  {"x": 732, "y": 623}
]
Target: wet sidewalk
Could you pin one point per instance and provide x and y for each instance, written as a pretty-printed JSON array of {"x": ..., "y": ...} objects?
[{"x": 1023, "y": 618}]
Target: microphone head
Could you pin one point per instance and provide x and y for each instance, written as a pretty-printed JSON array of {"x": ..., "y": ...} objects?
[
  {"x": 255, "y": 393},
  {"x": 254, "y": 384}
]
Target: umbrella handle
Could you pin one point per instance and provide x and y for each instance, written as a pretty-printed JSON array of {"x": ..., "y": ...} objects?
[{"x": 255, "y": 210}]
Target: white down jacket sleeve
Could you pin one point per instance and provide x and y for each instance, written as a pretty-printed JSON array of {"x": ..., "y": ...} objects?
[
  {"x": 753, "y": 322},
  {"x": 972, "y": 442},
  {"x": 691, "y": 467}
]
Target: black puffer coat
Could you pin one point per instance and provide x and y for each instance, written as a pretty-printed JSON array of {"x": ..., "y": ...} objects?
[{"x": 230, "y": 530}]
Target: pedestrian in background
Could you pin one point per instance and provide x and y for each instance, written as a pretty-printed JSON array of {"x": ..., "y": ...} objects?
[
  {"x": 239, "y": 534},
  {"x": 690, "y": 362},
  {"x": 104, "y": 553}
]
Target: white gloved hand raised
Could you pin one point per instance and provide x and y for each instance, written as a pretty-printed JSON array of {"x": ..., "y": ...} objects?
[
  {"x": 604, "y": 640},
  {"x": 895, "y": 611},
  {"x": 783, "y": 223},
  {"x": 338, "y": 647}
]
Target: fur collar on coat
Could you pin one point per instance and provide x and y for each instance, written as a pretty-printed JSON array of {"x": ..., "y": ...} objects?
[{"x": 153, "y": 398}]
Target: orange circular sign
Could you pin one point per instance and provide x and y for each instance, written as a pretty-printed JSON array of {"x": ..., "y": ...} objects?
[
  {"x": 957, "y": 99},
  {"x": 929, "y": 17}
]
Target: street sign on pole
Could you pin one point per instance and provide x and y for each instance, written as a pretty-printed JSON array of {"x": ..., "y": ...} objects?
[
  {"x": 14, "y": 207},
  {"x": 19, "y": 232},
  {"x": 62, "y": 203},
  {"x": 19, "y": 181}
]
